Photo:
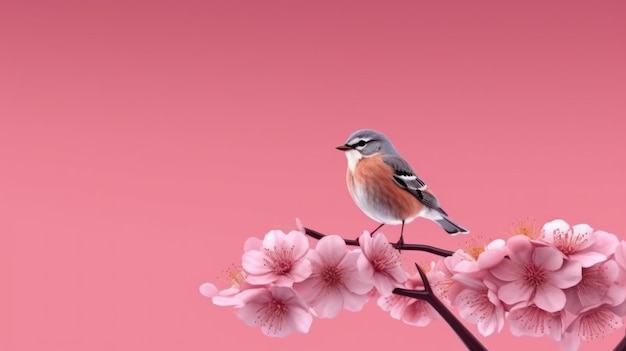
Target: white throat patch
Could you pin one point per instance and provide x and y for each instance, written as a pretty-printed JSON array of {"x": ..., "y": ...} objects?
[{"x": 353, "y": 157}]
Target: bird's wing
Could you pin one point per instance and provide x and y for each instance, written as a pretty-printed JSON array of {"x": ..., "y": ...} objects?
[{"x": 404, "y": 176}]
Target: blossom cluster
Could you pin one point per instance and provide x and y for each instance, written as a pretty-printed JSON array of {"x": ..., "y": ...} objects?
[
  {"x": 566, "y": 282},
  {"x": 283, "y": 282}
]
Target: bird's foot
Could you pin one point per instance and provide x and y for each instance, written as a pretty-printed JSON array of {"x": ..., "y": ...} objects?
[{"x": 400, "y": 243}]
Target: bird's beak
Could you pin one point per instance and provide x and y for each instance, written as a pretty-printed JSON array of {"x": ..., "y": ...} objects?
[{"x": 343, "y": 147}]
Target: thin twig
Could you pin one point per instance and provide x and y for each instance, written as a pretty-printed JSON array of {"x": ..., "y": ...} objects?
[
  {"x": 427, "y": 295},
  {"x": 409, "y": 247}
]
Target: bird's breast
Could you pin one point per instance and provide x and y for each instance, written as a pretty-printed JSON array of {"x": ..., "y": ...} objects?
[{"x": 372, "y": 188}]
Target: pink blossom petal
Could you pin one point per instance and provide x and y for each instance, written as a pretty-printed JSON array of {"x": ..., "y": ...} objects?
[
  {"x": 490, "y": 258},
  {"x": 253, "y": 263},
  {"x": 604, "y": 242},
  {"x": 418, "y": 313},
  {"x": 597, "y": 282},
  {"x": 620, "y": 254},
  {"x": 500, "y": 312},
  {"x": 570, "y": 342},
  {"x": 383, "y": 263},
  {"x": 352, "y": 279},
  {"x": 314, "y": 257},
  {"x": 469, "y": 281},
  {"x": 587, "y": 258},
  {"x": 496, "y": 244},
  {"x": 397, "y": 273},
  {"x": 572, "y": 304},
  {"x": 280, "y": 280},
  {"x": 330, "y": 305},
  {"x": 548, "y": 258},
  {"x": 475, "y": 307},
  {"x": 299, "y": 242},
  {"x": 555, "y": 326},
  {"x": 310, "y": 288},
  {"x": 208, "y": 290},
  {"x": 366, "y": 270},
  {"x": 248, "y": 313},
  {"x": 353, "y": 302},
  {"x": 276, "y": 332},
  {"x": 514, "y": 292},
  {"x": 265, "y": 279},
  {"x": 383, "y": 285},
  {"x": 379, "y": 240},
  {"x": 394, "y": 304},
  {"x": 299, "y": 225},
  {"x": 507, "y": 271},
  {"x": 569, "y": 275},
  {"x": 252, "y": 243},
  {"x": 300, "y": 270},
  {"x": 532, "y": 321},
  {"x": 467, "y": 267},
  {"x": 358, "y": 285},
  {"x": 583, "y": 231},
  {"x": 488, "y": 327},
  {"x": 457, "y": 257},
  {"x": 227, "y": 301},
  {"x": 549, "y": 298},
  {"x": 519, "y": 248},
  {"x": 550, "y": 227},
  {"x": 254, "y": 300},
  {"x": 596, "y": 323},
  {"x": 300, "y": 320},
  {"x": 278, "y": 310},
  {"x": 365, "y": 242},
  {"x": 617, "y": 291},
  {"x": 332, "y": 248},
  {"x": 273, "y": 239}
]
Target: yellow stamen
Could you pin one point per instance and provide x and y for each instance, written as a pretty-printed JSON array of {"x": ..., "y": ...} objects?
[
  {"x": 475, "y": 246},
  {"x": 525, "y": 227},
  {"x": 235, "y": 276}
]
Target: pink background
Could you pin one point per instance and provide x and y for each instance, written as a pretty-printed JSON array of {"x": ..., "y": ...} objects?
[{"x": 141, "y": 143}]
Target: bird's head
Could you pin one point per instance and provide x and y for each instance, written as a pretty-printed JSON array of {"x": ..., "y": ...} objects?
[{"x": 366, "y": 143}]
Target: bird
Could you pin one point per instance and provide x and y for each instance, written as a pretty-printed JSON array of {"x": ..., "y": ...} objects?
[{"x": 385, "y": 187}]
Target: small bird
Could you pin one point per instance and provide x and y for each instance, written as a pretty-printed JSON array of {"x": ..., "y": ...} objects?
[{"x": 384, "y": 186}]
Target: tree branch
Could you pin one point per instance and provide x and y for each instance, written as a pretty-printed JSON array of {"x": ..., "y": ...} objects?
[{"x": 409, "y": 247}]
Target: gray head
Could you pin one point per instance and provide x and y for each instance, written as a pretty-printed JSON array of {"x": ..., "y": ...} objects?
[{"x": 367, "y": 142}]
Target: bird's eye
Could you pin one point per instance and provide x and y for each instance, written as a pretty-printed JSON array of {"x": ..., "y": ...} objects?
[{"x": 361, "y": 143}]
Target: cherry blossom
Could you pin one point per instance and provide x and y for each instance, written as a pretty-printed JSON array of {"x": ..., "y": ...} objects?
[
  {"x": 596, "y": 287},
  {"x": 530, "y": 320},
  {"x": 277, "y": 310},
  {"x": 535, "y": 274},
  {"x": 280, "y": 259},
  {"x": 579, "y": 242},
  {"x": 593, "y": 323},
  {"x": 409, "y": 310},
  {"x": 335, "y": 282},
  {"x": 569, "y": 284},
  {"x": 481, "y": 258},
  {"x": 479, "y": 304},
  {"x": 230, "y": 296},
  {"x": 380, "y": 262}
]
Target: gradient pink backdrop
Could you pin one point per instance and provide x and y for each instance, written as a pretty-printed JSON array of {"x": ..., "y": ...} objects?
[{"x": 142, "y": 142}]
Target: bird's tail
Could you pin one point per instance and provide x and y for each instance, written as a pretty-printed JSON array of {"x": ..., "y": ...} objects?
[{"x": 451, "y": 227}]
